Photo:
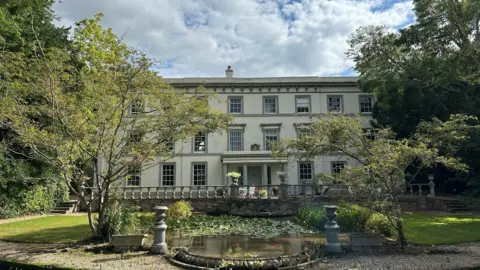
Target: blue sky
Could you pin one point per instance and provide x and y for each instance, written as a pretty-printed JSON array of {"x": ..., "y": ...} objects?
[{"x": 257, "y": 38}]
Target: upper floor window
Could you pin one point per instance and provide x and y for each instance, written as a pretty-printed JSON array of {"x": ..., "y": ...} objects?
[
  {"x": 199, "y": 174},
  {"x": 134, "y": 175},
  {"x": 335, "y": 103},
  {"x": 235, "y": 140},
  {"x": 200, "y": 143},
  {"x": 370, "y": 134},
  {"x": 302, "y": 104},
  {"x": 170, "y": 145},
  {"x": 235, "y": 105},
  {"x": 270, "y": 105},
  {"x": 135, "y": 137},
  {"x": 338, "y": 166},
  {"x": 168, "y": 174},
  {"x": 136, "y": 107},
  {"x": 305, "y": 172},
  {"x": 366, "y": 104},
  {"x": 271, "y": 135}
]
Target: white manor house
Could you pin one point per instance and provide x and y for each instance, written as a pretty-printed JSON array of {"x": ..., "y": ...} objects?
[{"x": 265, "y": 110}]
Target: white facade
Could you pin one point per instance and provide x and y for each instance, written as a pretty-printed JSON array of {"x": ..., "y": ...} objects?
[{"x": 251, "y": 125}]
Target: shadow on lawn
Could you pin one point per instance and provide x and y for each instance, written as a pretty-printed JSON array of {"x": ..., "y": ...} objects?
[{"x": 71, "y": 234}]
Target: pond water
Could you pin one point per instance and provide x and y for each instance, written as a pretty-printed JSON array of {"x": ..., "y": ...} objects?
[{"x": 235, "y": 246}]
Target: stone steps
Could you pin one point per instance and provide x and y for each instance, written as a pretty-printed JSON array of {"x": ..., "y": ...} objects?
[
  {"x": 66, "y": 207},
  {"x": 455, "y": 206}
]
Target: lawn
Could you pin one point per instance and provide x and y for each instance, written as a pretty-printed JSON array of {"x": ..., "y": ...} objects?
[
  {"x": 51, "y": 229},
  {"x": 441, "y": 228},
  {"x": 421, "y": 228}
]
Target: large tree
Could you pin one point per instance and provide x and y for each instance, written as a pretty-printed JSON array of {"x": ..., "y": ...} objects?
[
  {"x": 82, "y": 113},
  {"x": 381, "y": 171},
  {"x": 429, "y": 69}
]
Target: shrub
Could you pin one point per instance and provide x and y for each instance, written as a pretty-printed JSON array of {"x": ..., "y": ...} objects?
[
  {"x": 179, "y": 210},
  {"x": 379, "y": 223},
  {"x": 353, "y": 218},
  {"x": 312, "y": 217},
  {"x": 119, "y": 219},
  {"x": 263, "y": 193}
]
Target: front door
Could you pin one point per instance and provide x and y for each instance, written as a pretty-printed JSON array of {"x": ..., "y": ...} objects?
[{"x": 254, "y": 174}]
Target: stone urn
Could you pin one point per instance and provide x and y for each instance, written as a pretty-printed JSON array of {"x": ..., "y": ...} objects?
[{"x": 283, "y": 177}]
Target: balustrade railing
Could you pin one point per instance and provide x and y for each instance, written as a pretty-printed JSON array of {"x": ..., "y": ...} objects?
[{"x": 282, "y": 191}]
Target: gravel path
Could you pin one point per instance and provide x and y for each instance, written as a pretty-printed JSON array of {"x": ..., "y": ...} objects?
[
  {"x": 62, "y": 256},
  {"x": 458, "y": 257},
  {"x": 454, "y": 257}
]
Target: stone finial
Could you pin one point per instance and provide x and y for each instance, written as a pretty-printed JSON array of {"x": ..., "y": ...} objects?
[
  {"x": 159, "y": 245},
  {"x": 332, "y": 229}
]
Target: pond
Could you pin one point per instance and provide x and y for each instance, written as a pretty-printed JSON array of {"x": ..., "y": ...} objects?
[{"x": 235, "y": 246}]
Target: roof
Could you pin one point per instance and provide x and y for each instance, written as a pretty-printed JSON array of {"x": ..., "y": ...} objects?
[{"x": 264, "y": 81}]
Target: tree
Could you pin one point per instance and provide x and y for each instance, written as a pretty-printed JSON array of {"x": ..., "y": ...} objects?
[
  {"x": 81, "y": 112},
  {"x": 380, "y": 174},
  {"x": 430, "y": 69}
]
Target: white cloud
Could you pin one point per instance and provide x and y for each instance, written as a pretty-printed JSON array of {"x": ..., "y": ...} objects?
[{"x": 255, "y": 37}]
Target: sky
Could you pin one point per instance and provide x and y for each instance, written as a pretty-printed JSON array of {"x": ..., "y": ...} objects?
[{"x": 258, "y": 38}]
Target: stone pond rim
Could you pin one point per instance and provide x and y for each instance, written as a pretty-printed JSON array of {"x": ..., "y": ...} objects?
[{"x": 183, "y": 258}]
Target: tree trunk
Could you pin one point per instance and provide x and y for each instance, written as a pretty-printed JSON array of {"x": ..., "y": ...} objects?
[
  {"x": 90, "y": 221},
  {"x": 402, "y": 240}
]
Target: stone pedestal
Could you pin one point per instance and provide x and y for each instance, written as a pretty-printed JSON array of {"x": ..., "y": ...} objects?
[
  {"x": 234, "y": 188},
  {"x": 431, "y": 185},
  {"x": 159, "y": 245},
  {"x": 283, "y": 192},
  {"x": 332, "y": 229}
]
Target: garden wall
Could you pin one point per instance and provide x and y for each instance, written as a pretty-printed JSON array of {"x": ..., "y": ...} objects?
[{"x": 275, "y": 207}]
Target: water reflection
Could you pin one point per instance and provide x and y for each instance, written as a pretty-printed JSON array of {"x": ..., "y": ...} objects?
[{"x": 243, "y": 246}]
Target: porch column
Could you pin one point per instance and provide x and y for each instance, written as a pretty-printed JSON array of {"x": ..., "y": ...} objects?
[
  {"x": 245, "y": 173},
  {"x": 264, "y": 174},
  {"x": 224, "y": 171}
]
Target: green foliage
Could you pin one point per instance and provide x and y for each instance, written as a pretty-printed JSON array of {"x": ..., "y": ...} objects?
[
  {"x": 378, "y": 223},
  {"x": 119, "y": 219},
  {"x": 263, "y": 193},
  {"x": 430, "y": 69},
  {"x": 198, "y": 225},
  {"x": 179, "y": 210},
  {"x": 350, "y": 218},
  {"x": 312, "y": 217},
  {"x": 353, "y": 218}
]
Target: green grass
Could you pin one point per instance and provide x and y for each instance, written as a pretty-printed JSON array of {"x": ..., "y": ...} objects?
[
  {"x": 51, "y": 229},
  {"x": 441, "y": 228}
]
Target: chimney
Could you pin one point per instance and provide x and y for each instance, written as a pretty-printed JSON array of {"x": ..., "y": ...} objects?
[{"x": 229, "y": 72}]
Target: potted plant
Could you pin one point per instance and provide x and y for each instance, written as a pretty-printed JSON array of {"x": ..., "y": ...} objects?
[
  {"x": 263, "y": 194},
  {"x": 283, "y": 176},
  {"x": 234, "y": 176},
  {"x": 275, "y": 191}
]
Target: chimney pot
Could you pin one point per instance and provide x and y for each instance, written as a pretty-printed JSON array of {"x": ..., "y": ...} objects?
[{"x": 229, "y": 72}]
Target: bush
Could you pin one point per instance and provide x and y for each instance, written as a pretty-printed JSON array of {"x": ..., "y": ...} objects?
[
  {"x": 263, "y": 193},
  {"x": 179, "y": 210},
  {"x": 353, "y": 218},
  {"x": 119, "y": 219},
  {"x": 379, "y": 223},
  {"x": 350, "y": 218},
  {"x": 312, "y": 217},
  {"x": 22, "y": 198}
]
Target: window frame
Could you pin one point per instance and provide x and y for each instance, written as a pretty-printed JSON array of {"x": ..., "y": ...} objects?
[
  {"x": 170, "y": 144},
  {"x": 276, "y": 104},
  {"x": 241, "y": 104},
  {"x": 342, "y": 101},
  {"x": 299, "y": 172},
  {"x": 162, "y": 173},
  {"x": 206, "y": 143},
  {"x": 370, "y": 132},
  {"x": 141, "y": 107},
  {"x": 135, "y": 133},
  {"x": 242, "y": 135},
  {"x": 297, "y": 97},
  {"x": 360, "y": 104},
  {"x": 265, "y": 130},
  {"x": 332, "y": 163},
  {"x": 129, "y": 173},
  {"x": 192, "y": 174}
]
